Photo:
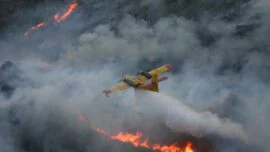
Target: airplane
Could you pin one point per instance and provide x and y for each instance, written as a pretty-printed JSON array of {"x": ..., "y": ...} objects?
[{"x": 141, "y": 80}]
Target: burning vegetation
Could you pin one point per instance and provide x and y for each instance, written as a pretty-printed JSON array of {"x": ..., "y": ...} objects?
[
  {"x": 138, "y": 140},
  {"x": 213, "y": 48},
  {"x": 57, "y": 18}
]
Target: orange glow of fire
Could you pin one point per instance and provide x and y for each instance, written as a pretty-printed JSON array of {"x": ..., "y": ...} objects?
[
  {"x": 100, "y": 131},
  {"x": 57, "y": 18},
  {"x": 35, "y": 27},
  {"x": 137, "y": 140}
]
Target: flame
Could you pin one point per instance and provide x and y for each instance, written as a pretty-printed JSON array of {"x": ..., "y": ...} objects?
[
  {"x": 40, "y": 24},
  {"x": 57, "y": 18},
  {"x": 100, "y": 131},
  {"x": 138, "y": 140}
]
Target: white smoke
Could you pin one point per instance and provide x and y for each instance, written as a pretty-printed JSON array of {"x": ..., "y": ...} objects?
[
  {"x": 170, "y": 37},
  {"x": 204, "y": 74},
  {"x": 182, "y": 118}
]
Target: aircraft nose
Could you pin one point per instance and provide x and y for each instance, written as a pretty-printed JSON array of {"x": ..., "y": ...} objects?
[{"x": 169, "y": 66}]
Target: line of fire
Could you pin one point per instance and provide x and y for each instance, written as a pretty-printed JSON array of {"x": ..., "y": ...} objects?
[
  {"x": 57, "y": 18},
  {"x": 138, "y": 140}
]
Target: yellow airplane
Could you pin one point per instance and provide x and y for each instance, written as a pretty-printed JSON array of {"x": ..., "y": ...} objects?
[{"x": 140, "y": 81}]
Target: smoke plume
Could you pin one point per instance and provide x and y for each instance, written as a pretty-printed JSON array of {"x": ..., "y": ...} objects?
[
  {"x": 181, "y": 118},
  {"x": 219, "y": 85}
]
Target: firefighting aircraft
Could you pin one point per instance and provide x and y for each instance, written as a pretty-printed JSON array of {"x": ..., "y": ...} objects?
[{"x": 141, "y": 80}]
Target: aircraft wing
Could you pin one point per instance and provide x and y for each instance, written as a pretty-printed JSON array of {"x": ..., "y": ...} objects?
[
  {"x": 143, "y": 77},
  {"x": 139, "y": 79},
  {"x": 162, "y": 69},
  {"x": 118, "y": 87}
]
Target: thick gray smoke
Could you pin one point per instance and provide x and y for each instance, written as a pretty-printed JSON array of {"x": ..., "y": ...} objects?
[{"x": 219, "y": 84}]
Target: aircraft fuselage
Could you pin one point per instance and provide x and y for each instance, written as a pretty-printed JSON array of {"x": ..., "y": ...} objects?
[{"x": 132, "y": 81}]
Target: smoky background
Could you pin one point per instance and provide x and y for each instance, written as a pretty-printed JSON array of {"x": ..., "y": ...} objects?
[{"x": 218, "y": 49}]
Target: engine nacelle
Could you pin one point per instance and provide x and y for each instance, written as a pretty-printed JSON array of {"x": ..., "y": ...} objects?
[{"x": 146, "y": 74}]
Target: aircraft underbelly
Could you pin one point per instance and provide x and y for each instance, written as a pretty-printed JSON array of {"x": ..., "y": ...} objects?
[{"x": 150, "y": 86}]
